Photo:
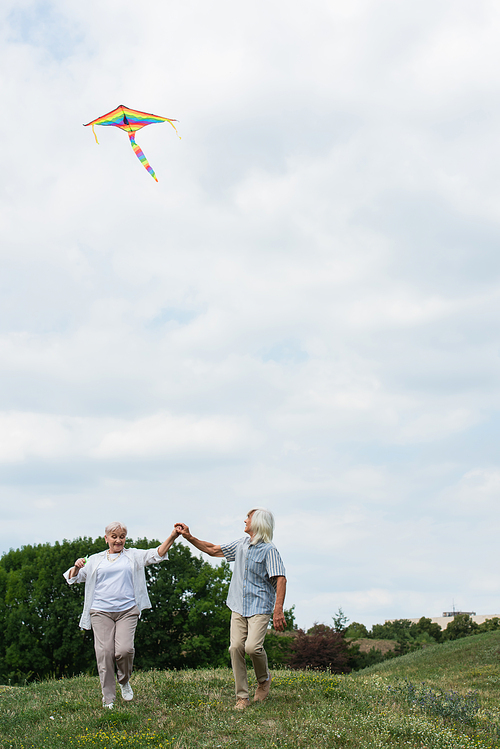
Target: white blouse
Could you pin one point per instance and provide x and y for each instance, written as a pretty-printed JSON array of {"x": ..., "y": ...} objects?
[
  {"x": 114, "y": 588},
  {"x": 138, "y": 560}
]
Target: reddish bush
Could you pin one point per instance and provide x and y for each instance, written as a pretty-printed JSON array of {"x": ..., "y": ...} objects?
[{"x": 323, "y": 649}]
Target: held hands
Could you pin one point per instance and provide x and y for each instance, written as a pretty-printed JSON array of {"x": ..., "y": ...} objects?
[{"x": 182, "y": 529}]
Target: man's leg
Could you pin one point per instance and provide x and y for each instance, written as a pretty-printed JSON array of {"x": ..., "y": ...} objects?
[
  {"x": 239, "y": 631},
  {"x": 126, "y": 623},
  {"x": 254, "y": 646},
  {"x": 103, "y": 627}
]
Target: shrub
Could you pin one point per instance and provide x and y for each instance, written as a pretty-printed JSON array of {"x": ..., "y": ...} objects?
[
  {"x": 489, "y": 625},
  {"x": 446, "y": 704},
  {"x": 320, "y": 648}
]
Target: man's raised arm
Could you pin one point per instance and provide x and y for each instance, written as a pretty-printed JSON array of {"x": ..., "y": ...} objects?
[{"x": 212, "y": 550}]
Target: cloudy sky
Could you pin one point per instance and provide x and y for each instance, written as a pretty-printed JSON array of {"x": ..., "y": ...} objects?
[{"x": 303, "y": 314}]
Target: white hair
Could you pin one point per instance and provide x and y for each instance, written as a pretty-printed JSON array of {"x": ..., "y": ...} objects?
[
  {"x": 113, "y": 527},
  {"x": 262, "y": 526}
]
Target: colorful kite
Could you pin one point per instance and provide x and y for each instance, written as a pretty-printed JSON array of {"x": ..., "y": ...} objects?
[{"x": 131, "y": 120}]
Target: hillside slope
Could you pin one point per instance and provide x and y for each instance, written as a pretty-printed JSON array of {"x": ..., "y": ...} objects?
[
  {"x": 472, "y": 663},
  {"x": 306, "y": 710}
]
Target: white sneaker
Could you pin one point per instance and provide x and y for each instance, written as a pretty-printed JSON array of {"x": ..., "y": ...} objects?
[{"x": 127, "y": 691}]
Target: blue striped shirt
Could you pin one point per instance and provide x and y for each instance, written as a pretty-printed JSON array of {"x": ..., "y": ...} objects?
[{"x": 253, "y": 585}]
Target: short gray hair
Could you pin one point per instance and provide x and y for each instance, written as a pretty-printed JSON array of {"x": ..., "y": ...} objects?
[
  {"x": 116, "y": 526},
  {"x": 262, "y": 526}
]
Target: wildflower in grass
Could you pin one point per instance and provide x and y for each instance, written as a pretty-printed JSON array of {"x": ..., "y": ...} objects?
[{"x": 447, "y": 704}]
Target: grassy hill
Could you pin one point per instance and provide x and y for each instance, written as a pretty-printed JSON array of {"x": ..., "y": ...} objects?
[{"x": 384, "y": 706}]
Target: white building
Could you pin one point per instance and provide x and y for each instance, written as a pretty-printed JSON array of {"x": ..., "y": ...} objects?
[{"x": 448, "y": 617}]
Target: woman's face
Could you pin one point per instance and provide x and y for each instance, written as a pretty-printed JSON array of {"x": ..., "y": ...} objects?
[{"x": 116, "y": 541}]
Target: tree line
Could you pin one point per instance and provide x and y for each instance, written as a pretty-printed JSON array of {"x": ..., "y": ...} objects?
[
  {"x": 187, "y": 626},
  {"x": 412, "y": 635},
  {"x": 336, "y": 647}
]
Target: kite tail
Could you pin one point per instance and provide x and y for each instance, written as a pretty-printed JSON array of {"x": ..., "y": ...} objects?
[
  {"x": 140, "y": 155},
  {"x": 174, "y": 129}
]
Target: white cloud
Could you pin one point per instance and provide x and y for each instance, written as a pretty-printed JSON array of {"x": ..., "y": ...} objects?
[
  {"x": 303, "y": 312},
  {"x": 162, "y": 435},
  {"x": 476, "y": 491},
  {"x": 24, "y": 436}
]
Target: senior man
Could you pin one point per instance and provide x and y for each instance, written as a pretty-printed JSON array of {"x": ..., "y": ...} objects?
[{"x": 257, "y": 591}]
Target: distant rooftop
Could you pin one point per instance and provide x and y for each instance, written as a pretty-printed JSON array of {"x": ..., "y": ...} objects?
[{"x": 448, "y": 617}]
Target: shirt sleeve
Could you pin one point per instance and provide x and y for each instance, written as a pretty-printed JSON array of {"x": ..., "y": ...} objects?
[
  {"x": 229, "y": 550},
  {"x": 274, "y": 563},
  {"x": 148, "y": 556},
  {"x": 80, "y": 577}
]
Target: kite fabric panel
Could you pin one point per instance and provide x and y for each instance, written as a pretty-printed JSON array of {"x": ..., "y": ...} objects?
[{"x": 131, "y": 120}]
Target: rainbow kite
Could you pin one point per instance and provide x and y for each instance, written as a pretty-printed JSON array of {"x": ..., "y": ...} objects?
[{"x": 131, "y": 120}]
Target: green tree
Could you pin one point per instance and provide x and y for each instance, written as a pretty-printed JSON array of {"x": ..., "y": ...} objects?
[
  {"x": 399, "y": 630},
  {"x": 188, "y": 624},
  {"x": 356, "y": 631},
  {"x": 404, "y": 632},
  {"x": 489, "y": 625},
  {"x": 461, "y": 626},
  {"x": 39, "y": 612},
  {"x": 340, "y": 622},
  {"x": 426, "y": 631}
]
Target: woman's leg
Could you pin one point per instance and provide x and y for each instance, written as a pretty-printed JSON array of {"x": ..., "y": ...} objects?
[
  {"x": 103, "y": 627},
  {"x": 124, "y": 651}
]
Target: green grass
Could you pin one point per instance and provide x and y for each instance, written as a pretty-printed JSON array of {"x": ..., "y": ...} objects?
[{"x": 306, "y": 710}]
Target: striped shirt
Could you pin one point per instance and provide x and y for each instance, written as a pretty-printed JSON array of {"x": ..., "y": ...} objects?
[{"x": 253, "y": 584}]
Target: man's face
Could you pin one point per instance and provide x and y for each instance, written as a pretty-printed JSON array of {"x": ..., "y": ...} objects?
[
  {"x": 116, "y": 541},
  {"x": 248, "y": 523}
]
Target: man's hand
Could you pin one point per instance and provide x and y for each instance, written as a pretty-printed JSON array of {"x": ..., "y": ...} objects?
[
  {"x": 279, "y": 621},
  {"x": 212, "y": 549}
]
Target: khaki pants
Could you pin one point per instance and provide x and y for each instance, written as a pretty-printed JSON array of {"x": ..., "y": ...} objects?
[
  {"x": 247, "y": 636},
  {"x": 114, "y": 643}
]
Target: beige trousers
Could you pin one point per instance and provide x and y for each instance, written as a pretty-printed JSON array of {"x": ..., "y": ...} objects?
[
  {"x": 247, "y": 636},
  {"x": 114, "y": 644}
]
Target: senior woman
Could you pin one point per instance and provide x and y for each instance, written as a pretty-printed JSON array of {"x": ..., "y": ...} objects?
[{"x": 115, "y": 595}]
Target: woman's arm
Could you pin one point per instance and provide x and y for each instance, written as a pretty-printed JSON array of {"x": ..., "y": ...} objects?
[
  {"x": 213, "y": 550},
  {"x": 78, "y": 566},
  {"x": 165, "y": 546},
  {"x": 73, "y": 572}
]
